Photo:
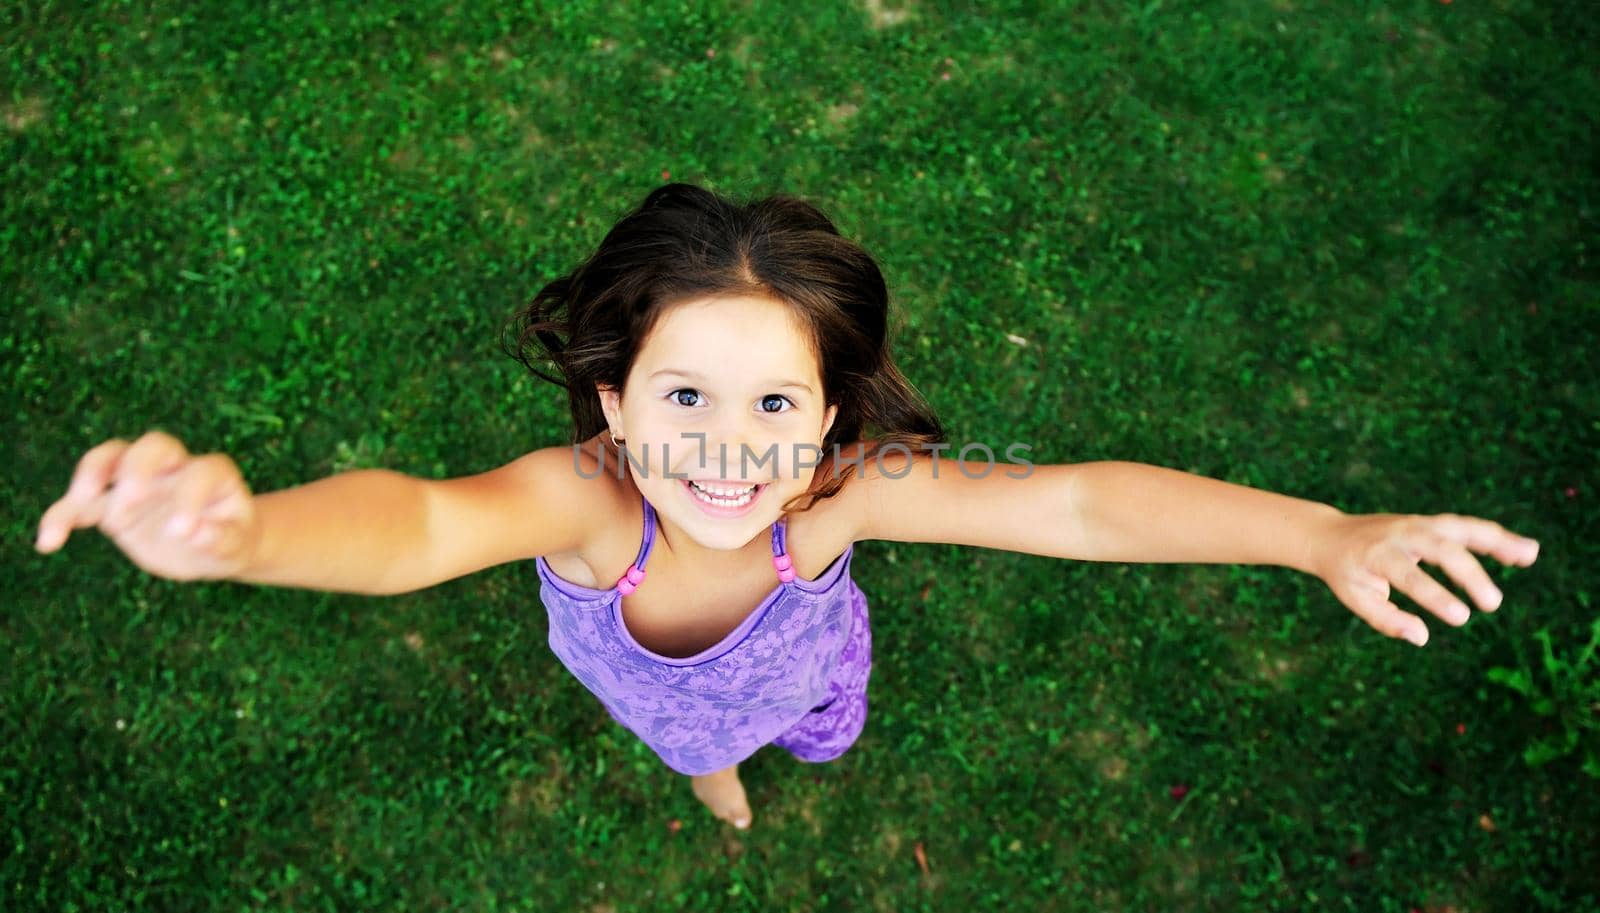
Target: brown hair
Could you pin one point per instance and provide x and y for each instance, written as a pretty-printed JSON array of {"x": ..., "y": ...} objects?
[{"x": 685, "y": 242}]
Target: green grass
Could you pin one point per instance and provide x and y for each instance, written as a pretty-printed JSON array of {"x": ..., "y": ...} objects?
[{"x": 1337, "y": 250}]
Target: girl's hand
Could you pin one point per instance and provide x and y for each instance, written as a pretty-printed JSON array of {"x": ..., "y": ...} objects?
[
  {"x": 1359, "y": 556},
  {"x": 175, "y": 515}
]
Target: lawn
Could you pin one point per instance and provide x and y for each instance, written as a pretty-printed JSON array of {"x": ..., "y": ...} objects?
[{"x": 1342, "y": 251}]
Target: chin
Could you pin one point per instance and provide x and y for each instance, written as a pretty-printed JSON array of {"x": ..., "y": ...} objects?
[
  {"x": 723, "y": 537},
  {"x": 729, "y": 546}
]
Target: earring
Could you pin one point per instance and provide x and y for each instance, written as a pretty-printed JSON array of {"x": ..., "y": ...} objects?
[{"x": 614, "y": 440}]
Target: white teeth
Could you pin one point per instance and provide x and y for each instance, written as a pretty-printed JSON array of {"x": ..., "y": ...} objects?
[
  {"x": 721, "y": 499},
  {"x": 723, "y": 491}
]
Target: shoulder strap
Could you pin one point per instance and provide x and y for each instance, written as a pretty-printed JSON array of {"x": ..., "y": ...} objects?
[
  {"x": 630, "y": 580},
  {"x": 780, "y": 556},
  {"x": 649, "y": 535}
]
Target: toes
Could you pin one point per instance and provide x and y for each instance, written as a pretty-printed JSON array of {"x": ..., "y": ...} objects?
[{"x": 738, "y": 817}]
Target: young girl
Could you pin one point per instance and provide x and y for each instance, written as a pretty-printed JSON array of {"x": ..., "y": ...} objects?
[{"x": 739, "y": 426}]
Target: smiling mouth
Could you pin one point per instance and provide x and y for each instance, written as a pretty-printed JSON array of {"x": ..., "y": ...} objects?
[{"x": 725, "y": 496}]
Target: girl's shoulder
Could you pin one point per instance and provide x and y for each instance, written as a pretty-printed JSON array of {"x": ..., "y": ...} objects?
[
  {"x": 612, "y": 512},
  {"x": 845, "y": 516},
  {"x": 833, "y": 522}
]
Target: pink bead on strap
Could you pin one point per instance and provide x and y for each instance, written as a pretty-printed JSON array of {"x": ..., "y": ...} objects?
[
  {"x": 781, "y": 562},
  {"x": 630, "y": 581},
  {"x": 786, "y": 575}
]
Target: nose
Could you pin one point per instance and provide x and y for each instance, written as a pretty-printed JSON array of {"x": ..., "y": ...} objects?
[{"x": 735, "y": 451}]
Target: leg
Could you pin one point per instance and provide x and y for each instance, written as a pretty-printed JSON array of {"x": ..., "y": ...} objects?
[{"x": 724, "y": 795}]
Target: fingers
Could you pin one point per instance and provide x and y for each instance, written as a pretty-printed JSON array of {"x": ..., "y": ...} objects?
[
  {"x": 88, "y": 480},
  {"x": 222, "y": 533},
  {"x": 1372, "y": 604},
  {"x": 1408, "y": 578},
  {"x": 155, "y": 454},
  {"x": 1444, "y": 540},
  {"x": 127, "y": 468},
  {"x": 1487, "y": 537},
  {"x": 1467, "y": 573},
  {"x": 209, "y": 491}
]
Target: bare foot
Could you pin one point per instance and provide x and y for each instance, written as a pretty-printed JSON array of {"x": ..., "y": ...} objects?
[{"x": 724, "y": 795}]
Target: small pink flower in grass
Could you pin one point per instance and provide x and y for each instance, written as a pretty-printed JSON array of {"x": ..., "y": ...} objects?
[
  {"x": 666, "y": 175},
  {"x": 674, "y": 825},
  {"x": 945, "y": 77},
  {"x": 1179, "y": 791},
  {"x": 711, "y": 52},
  {"x": 1572, "y": 491},
  {"x": 1461, "y": 729}
]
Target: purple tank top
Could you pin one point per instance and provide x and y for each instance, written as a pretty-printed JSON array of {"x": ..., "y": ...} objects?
[{"x": 705, "y": 712}]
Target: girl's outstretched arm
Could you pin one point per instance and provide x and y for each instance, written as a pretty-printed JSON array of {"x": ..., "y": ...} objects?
[{"x": 1123, "y": 511}]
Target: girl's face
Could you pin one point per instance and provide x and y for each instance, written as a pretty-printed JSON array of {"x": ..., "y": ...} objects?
[{"x": 726, "y": 391}]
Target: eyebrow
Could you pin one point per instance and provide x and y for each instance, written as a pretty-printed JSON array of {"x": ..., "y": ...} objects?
[{"x": 776, "y": 382}]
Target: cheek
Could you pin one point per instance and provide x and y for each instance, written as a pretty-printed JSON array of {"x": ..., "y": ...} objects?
[{"x": 794, "y": 467}]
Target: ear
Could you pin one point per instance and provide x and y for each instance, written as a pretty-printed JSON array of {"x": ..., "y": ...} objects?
[
  {"x": 611, "y": 405},
  {"x": 827, "y": 421}
]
